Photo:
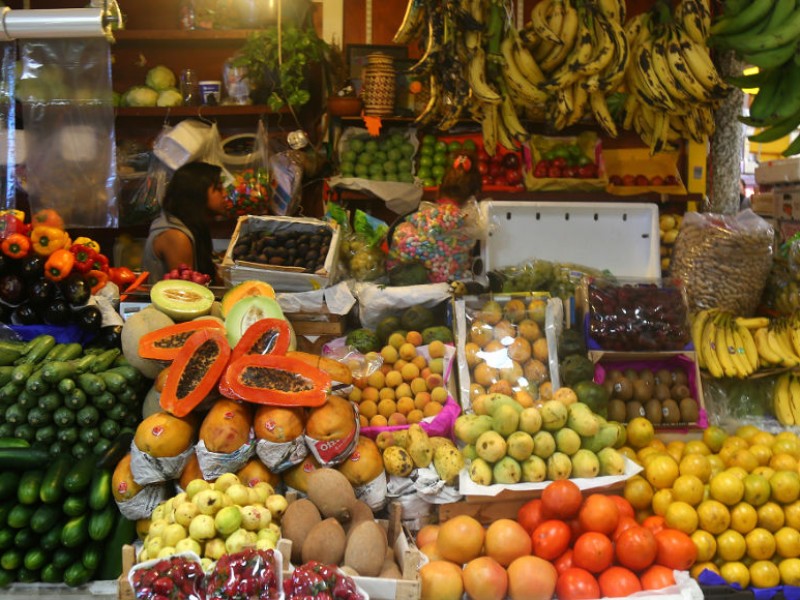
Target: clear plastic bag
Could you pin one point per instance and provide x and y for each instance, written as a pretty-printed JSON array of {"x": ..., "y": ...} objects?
[
  {"x": 65, "y": 91},
  {"x": 244, "y": 159},
  {"x": 145, "y": 203},
  {"x": 360, "y": 249},
  {"x": 251, "y": 573}
]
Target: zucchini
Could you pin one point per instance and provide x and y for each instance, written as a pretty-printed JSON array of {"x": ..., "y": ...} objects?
[
  {"x": 89, "y": 435},
  {"x": 80, "y": 475},
  {"x": 65, "y": 386},
  {"x": 104, "y": 401},
  {"x": 52, "y": 488},
  {"x": 68, "y": 435},
  {"x": 92, "y": 556},
  {"x": 52, "y": 538},
  {"x": 119, "y": 448},
  {"x": 88, "y": 416},
  {"x": 35, "y": 559},
  {"x": 81, "y": 450},
  {"x": 36, "y": 385},
  {"x": 100, "y": 489},
  {"x": 16, "y": 414},
  {"x": 25, "y": 431},
  {"x": 64, "y": 416},
  {"x": 91, "y": 384},
  {"x": 71, "y": 351},
  {"x": 27, "y": 400},
  {"x": 75, "y": 531},
  {"x": 50, "y": 573},
  {"x": 11, "y": 559},
  {"x": 124, "y": 532},
  {"x": 38, "y": 417},
  {"x": 21, "y": 459},
  {"x": 105, "y": 360},
  {"x": 131, "y": 374},
  {"x": 75, "y": 505},
  {"x": 47, "y": 435},
  {"x": 9, "y": 480},
  {"x": 55, "y": 352},
  {"x": 5, "y": 374},
  {"x": 102, "y": 522},
  {"x": 20, "y": 515},
  {"x": 25, "y": 538},
  {"x": 12, "y": 442},
  {"x": 22, "y": 373},
  {"x": 76, "y": 399},
  {"x": 6, "y": 538},
  {"x": 37, "y": 349},
  {"x": 45, "y": 517},
  {"x": 8, "y": 356},
  {"x": 54, "y": 372},
  {"x": 101, "y": 447},
  {"x": 114, "y": 382},
  {"x": 76, "y": 574},
  {"x": 9, "y": 392},
  {"x": 109, "y": 428},
  {"x": 50, "y": 402},
  {"x": 62, "y": 558},
  {"x": 29, "y": 484}
]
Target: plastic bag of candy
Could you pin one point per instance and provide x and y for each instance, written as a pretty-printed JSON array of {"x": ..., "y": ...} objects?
[{"x": 247, "y": 192}]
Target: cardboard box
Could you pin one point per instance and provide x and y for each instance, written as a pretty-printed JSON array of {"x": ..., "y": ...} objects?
[
  {"x": 283, "y": 279},
  {"x": 786, "y": 170},
  {"x": 637, "y": 360}
]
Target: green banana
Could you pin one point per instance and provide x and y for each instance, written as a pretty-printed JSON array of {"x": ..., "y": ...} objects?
[
  {"x": 750, "y": 81},
  {"x": 743, "y": 21},
  {"x": 790, "y": 94},
  {"x": 731, "y": 8},
  {"x": 782, "y": 128},
  {"x": 781, "y": 11},
  {"x": 766, "y": 99},
  {"x": 793, "y": 148},
  {"x": 775, "y": 57},
  {"x": 784, "y": 33}
]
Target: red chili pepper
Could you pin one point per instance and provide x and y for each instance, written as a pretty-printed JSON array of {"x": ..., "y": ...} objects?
[
  {"x": 84, "y": 257},
  {"x": 16, "y": 245}
]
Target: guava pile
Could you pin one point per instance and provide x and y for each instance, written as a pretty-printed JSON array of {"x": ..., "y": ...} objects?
[{"x": 385, "y": 158}]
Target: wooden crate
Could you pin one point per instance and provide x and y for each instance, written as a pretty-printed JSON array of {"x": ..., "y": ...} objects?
[
  {"x": 125, "y": 591},
  {"x": 485, "y": 512},
  {"x": 317, "y": 323}
]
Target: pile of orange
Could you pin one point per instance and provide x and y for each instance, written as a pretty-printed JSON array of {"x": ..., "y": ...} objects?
[{"x": 405, "y": 385}]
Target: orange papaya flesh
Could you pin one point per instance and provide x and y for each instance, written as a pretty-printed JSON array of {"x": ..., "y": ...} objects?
[
  {"x": 265, "y": 336},
  {"x": 165, "y": 343},
  {"x": 277, "y": 380},
  {"x": 195, "y": 371}
]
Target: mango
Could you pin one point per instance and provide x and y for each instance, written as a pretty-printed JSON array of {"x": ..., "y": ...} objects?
[
  {"x": 611, "y": 462},
  {"x": 505, "y": 420},
  {"x": 559, "y": 466},
  {"x": 469, "y": 452},
  {"x": 468, "y": 428},
  {"x": 448, "y": 462},
  {"x": 392, "y": 438},
  {"x": 480, "y": 472},
  {"x": 585, "y": 464},
  {"x": 604, "y": 438},
  {"x": 520, "y": 445},
  {"x": 567, "y": 441},
  {"x": 419, "y": 446},
  {"x": 497, "y": 399},
  {"x": 397, "y": 461},
  {"x": 530, "y": 420},
  {"x": 582, "y": 420},
  {"x": 491, "y": 446},
  {"x": 534, "y": 469},
  {"x": 506, "y": 471},
  {"x": 554, "y": 415},
  {"x": 544, "y": 444}
]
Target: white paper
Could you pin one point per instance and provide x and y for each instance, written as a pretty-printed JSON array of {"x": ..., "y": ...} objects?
[
  {"x": 469, "y": 488},
  {"x": 338, "y": 299},
  {"x": 147, "y": 469},
  {"x": 375, "y": 301},
  {"x": 215, "y": 464}
]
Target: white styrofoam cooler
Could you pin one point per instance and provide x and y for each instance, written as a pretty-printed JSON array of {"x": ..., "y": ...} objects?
[
  {"x": 784, "y": 170},
  {"x": 622, "y": 237}
]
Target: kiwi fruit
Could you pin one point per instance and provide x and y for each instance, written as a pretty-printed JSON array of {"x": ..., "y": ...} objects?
[
  {"x": 662, "y": 392},
  {"x": 664, "y": 376},
  {"x": 670, "y": 411},
  {"x": 608, "y": 386},
  {"x": 642, "y": 390},
  {"x": 616, "y": 410},
  {"x": 647, "y": 375},
  {"x": 679, "y": 376},
  {"x": 679, "y": 392},
  {"x": 631, "y": 374},
  {"x": 652, "y": 411},
  {"x": 613, "y": 375},
  {"x": 689, "y": 410},
  {"x": 633, "y": 409},
  {"x": 623, "y": 389}
]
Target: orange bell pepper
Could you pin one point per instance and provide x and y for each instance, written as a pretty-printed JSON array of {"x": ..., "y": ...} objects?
[
  {"x": 16, "y": 245},
  {"x": 47, "y": 217},
  {"x": 96, "y": 280},
  {"x": 59, "y": 264}
]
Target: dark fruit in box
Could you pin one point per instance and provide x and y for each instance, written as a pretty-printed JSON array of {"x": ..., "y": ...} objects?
[
  {"x": 41, "y": 292},
  {"x": 637, "y": 317},
  {"x": 12, "y": 289},
  {"x": 641, "y": 181},
  {"x": 57, "y": 313},
  {"x": 306, "y": 249}
]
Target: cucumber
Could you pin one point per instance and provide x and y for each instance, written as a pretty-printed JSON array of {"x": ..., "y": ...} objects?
[
  {"x": 8, "y": 356},
  {"x": 9, "y": 480},
  {"x": 25, "y": 431},
  {"x": 92, "y": 556},
  {"x": 54, "y": 372},
  {"x": 89, "y": 435},
  {"x": 72, "y": 351},
  {"x": 101, "y": 447},
  {"x": 36, "y": 385},
  {"x": 9, "y": 392},
  {"x": 109, "y": 428},
  {"x": 75, "y": 505},
  {"x": 45, "y": 517},
  {"x": 100, "y": 489},
  {"x": 62, "y": 558},
  {"x": 52, "y": 488},
  {"x": 118, "y": 449},
  {"x": 52, "y": 538},
  {"x": 76, "y": 399},
  {"x": 124, "y": 532},
  {"x": 47, "y": 435},
  {"x": 6, "y": 538},
  {"x": 5, "y": 509},
  {"x": 105, "y": 360},
  {"x": 81, "y": 450},
  {"x": 11, "y": 559},
  {"x": 25, "y": 538},
  {"x": 38, "y": 417},
  {"x": 52, "y": 574},
  {"x": 131, "y": 374},
  {"x": 129, "y": 397},
  {"x": 114, "y": 382},
  {"x": 37, "y": 349},
  {"x": 65, "y": 386},
  {"x": 5, "y": 374},
  {"x": 80, "y": 475},
  {"x": 16, "y": 414},
  {"x": 91, "y": 384},
  {"x": 50, "y": 402},
  {"x": 58, "y": 447},
  {"x": 63, "y": 416},
  {"x": 88, "y": 416},
  {"x": 104, "y": 401},
  {"x": 68, "y": 435},
  {"x": 101, "y": 522},
  {"x": 76, "y": 574},
  {"x": 118, "y": 412},
  {"x": 29, "y": 484},
  {"x": 12, "y": 442},
  {"x": 6, "y": 429},
  {"x": 22, "y": 373},
  {"x": 27, "y": 400},
  {"x": 75, "y": 531},
  {"x": 20, "y": 515},
  {"x": 35, "y": 559}
]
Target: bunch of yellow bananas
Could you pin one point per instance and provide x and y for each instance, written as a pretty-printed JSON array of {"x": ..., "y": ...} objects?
[
  {"x": 724, "y": 344},
  {"x": 786, "y": 399},
  {"x": 673, "y": 86}
]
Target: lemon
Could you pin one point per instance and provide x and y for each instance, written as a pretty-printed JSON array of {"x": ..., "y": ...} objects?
[
  {"x": 764, "y": 574},
  {"x": 662, "y": 499},
  {"x": 681, "y": 516},
  {"x": 744, "y": 518},
  {"x": 787, "y": 542},
  {"x": 714, "y": 437},
  {"x": 695, "y": 464},
  {"x": 792, "y": 514},
  {"x": 713, "y": 516},
  {"x": 661, "y": 471},
  {"x": 757, "y": 489},
  {"x": 785, "y": 486},
  {"x": 727, "y": 488},
  {"x": 689, "y": 489},
  {"x": 731, "y": 545},
  {"x": 760, "y": 544},
  {"x": 770, "y": 516},
  {"x": 706, "y": 545},
  {"x": 640, "y": 432},
  {"x": 735, "y": 572},
  {"x": 790, "y": 571}
]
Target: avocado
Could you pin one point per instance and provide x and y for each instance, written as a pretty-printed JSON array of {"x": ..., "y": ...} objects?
[
  {"x": 417, "y": 318},
  {"x": 437, "y": 332},
  {"x": 593, "y": 395},
  {"x": 575, "y": 368},
  {"x": 386, "y": 327}
]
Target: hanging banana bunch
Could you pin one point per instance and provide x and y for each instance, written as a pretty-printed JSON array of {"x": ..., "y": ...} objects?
[{"x": 672, "y": 85}]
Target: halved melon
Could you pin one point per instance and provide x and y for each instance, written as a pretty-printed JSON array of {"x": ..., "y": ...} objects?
[
  {"x": 181, "y": 300},
  {"x": 165, "y": 343},
  {"x": 245, "y": 289},
  {"x": 136, "y": 326},
  {"x": 249, "y": 310}
]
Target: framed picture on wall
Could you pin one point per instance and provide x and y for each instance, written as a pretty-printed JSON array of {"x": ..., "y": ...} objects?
[{"x": 357, "y": 59}]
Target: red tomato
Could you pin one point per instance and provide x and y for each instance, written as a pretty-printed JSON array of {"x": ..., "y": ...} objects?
[
  {"x": 575, "y": 529},
  {"x": 615, "y": 180},
  {"x": 625, "y": 508},
  {"x": 482, "y": 154},
  {"x": 563, "y": 562},
  {"x": 599, "y": 513},
  {"x": 618, "y": 582},
  {"x": 628, "y": 180},
  {"x": 513, "y": 176},
  {"x": 657, "y": 180},
  {"x": 530, "y": 515},
  {"x": 570, "y": 172},
  {"x": 560, "y": 162},
  {"x": 676, "y": 550},
  {"x": 577, "y": 584},
  {"x": 496, "y": 169},
  {"x": 587, "y": 171},
  {"x": 550, "y": 539},
  {"x": 487, "y": 180},
  {"x": 654, "y": 523},
  {"x": 554, "y": 172},
  {"x": 624, "y": 524},
  {"x": 593, "y": 551},
  {"x": 636, "y": 548},
  {"x": 657, "y": 577},
  {"x": 642, "y": 180},
  {"x": 501, "y": 180},
  {"x": 670, "y": 180},
  {"x": 540, "y": 171},
  {"x": 483, "y": 167},
  {"x": 561, "y": 499}
]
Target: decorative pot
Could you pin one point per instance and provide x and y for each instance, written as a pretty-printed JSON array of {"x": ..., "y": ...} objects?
[
  {"x": 378, "y": 90},
  {"x": 344, "y": 106}
]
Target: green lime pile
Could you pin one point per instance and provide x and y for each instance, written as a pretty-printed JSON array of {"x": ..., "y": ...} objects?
[
  {"x": 434, "y": 155},
  {"x": 385, "y": 158}
]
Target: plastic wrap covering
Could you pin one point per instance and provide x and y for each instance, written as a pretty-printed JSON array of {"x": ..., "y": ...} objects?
[
  {"x": 723, "y": 260},
  {"x": 782, "y": 291},
  {"x": 537, "y": 275},
  {"x": 12, "y": 151},
  {"x": 733, "y": 402},
  {"x": 65, "y": 90}
]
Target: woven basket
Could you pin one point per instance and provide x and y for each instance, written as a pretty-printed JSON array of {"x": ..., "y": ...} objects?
[{"x": 380, "y": 80}]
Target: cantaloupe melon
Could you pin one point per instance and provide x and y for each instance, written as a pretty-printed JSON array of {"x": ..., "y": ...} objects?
[
  {"x": 136, "y": 325},
  {"x": 243, "y": 290},
  {"x": 249, "y": 310}
]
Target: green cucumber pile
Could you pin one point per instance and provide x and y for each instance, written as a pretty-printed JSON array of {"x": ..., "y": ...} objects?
[
  {"x": 58, "y": 520},
  {"x": 67, "y": 400}
]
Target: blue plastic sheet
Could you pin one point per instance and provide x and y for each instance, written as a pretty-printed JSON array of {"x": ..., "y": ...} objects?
[{"x": 64, "y": 334}]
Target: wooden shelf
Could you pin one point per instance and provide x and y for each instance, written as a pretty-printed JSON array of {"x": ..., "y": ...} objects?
[
  {"x": 196, "y": 111},
  {"x": 180, "y": 35}
]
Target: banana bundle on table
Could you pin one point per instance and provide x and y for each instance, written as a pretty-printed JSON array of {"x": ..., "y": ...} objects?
[
  {"x": 724, "y": 344},
  {"x": 786, "y": 399},
  {"x": 765, "y": 33},
  {"x": 673, "y": 85},
  {"x": 581, "y": 52}
]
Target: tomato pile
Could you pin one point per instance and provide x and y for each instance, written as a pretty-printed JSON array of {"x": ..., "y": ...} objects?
[
  {"x": 567, "y": 161},
  {"x": 504, "y": 169},
  {"x": 597, "y": 546},
  {"x": 642, "y": 180},
  {"x": 316, "y": 580}
]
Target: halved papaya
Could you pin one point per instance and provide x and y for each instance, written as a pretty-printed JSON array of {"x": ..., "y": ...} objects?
[
  {"x": 195, "y": 371},
  {"x": 165, "y": 343},
  {"x": 277, "y": 381}
]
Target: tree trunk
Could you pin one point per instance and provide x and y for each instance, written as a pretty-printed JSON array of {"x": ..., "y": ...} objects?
[{"x": 727, "y": 144}]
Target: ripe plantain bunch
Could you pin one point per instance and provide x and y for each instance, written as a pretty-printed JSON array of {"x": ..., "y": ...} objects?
[
  {"x": 765, "y": 33},
  {"x": 673, "y": 86},
  {"x": 786, "y": 399},
  {"x": 579, "y": 56}
]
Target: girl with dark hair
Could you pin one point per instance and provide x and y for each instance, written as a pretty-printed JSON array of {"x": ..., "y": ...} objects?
[{"x": 180, "y": 234}]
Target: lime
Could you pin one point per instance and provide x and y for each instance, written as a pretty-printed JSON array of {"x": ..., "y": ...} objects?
[
  {"x": 469, "y": 145},
  {"x": 361, "y": 170},
  {"x": 356, "y": 145},
  {"x": 405, "y": 177},
  {"x": 425, "y": 173},
  {"x": 364, "y": 159},
  {"x": 377, "y": 176},
  {"x": 349, "y": 156},
  {"x": 394, "y": 154},
  {"x": 426, "y": 150},
  {"x": 379, "y": 156},
  {"x": 404, "y": 165},
  {"x": 425, "y": 161},
  {"x": 440, "y": 158},
  {"x": 441, "y": 147},
  {"x": 437, "y": 171},
  {"x": 397, "y": 139},
  {"x": 454, "y": 146},
  {"x": 428, "y": 139},
  {"x": 348, "y": 169},
  {"x": 370, "y": 145},
  {"x": 429, "y": 182},
  {"x": 376, "y": 168},
  {"x": 390, "y": 166},
  {"x": 407, "y": 149}
]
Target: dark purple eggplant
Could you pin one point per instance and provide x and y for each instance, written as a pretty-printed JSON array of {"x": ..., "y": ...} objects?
[
  {"x": 75, "y": 289},
  {"x": 12, "y": 289},
  {"x": 57, "y": 312},
  {"x": 89, "y": 318},
  {"x": 25, "y": 314},
  {"x": 32, "y": 267},
  {"x": 41, "y": 293}
]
